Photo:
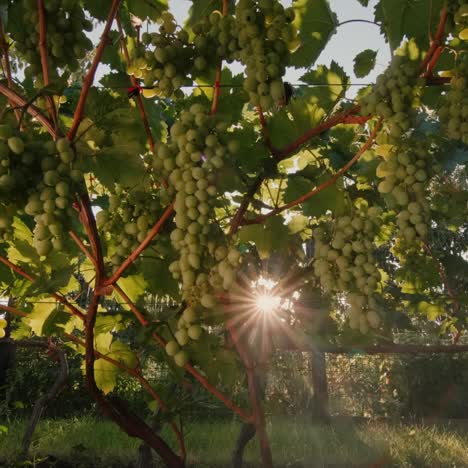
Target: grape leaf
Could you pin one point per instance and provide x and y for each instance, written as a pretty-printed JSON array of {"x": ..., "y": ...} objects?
[
  {"x": 118, "y": 164},
  {"x": 121, "y": 352},
  {"x": 273, "y": 235},
  {"x": 105, "y": 374},
  {"x": 334, "y": 76},
  {"x": 401, "y": 18},
  {"x": 98, "y": 10},
  {"x": 111, "y": 54},
  {"x": 134, "y": 286},
  {"x": 316, "y": 23},
  {"x": 330, "y": 199},
  {"x": 45, "y": 316},
  {"x": 364, "y": 62},
  {"x": 147, "y": 9},
  {"x": 157, "y": 277},
  {"x": 364, "y": 3}
]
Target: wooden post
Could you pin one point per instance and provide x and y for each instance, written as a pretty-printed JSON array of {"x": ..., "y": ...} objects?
[{"x": 318, "y": 371}]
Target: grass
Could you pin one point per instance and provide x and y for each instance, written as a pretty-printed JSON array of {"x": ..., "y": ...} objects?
[{"x": 89, "y": 442}]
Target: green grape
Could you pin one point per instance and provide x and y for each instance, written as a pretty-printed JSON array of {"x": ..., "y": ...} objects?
[
  {"x": 395, "y": 94},
  {"x": 162, "y": 59},
  {"x": 345, "y": 262},
  {"x": 264, "y": 31},
  {"x": 67, "y": 42},
  {"x": 457, "y": 21},
  {"x": 134, "y": 210},
  {"x": 189, "y": 162},
  {"x": 453, "y": 112},
  {"x": 406, "y": 171}
]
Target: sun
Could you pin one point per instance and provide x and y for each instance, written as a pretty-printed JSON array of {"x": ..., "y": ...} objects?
[{"x": 267, "y": 303}]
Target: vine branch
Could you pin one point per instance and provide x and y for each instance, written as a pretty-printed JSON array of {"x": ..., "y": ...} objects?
[
  {"x": 6, "y": 56},
  {"x": 435, "y": 43},
  {"x": 134, "y": 81},
  {"x": 326, "y": 184},
  {"x": 44, "y": 58},
  {"x": 134, "y": 255},
  {"x": 88, "y": 81},
  {"x": 28, "y": 107}
]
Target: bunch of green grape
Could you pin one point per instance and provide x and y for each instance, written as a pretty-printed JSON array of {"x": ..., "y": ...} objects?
[
  {"x": 345, "y": 262},
  {"x": 36, "y": 178},
  {"x": 453, "y": 112},
  {"x": 396, "y": 93},
  {"x": 406, "y": 171},
  {"x": 127, "y": 221},
  {"x": 18, "y": 169},
  {"x": 189, "y": 162},
  {"x": 264, "y": 32},
  {"x": 50, "y": 201},
  {"x": 165, "y": 67},
  {"x": 457, "y": 19},
  {"x": 215, "y": 39},
  {"x": 67, "y": 41}
]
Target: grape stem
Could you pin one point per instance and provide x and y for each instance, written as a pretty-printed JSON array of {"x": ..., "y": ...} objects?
[
  {"x": 323, "y": 186},
  {"x": 4, "y": 47},
  {"x": 88, "y": 80},
  {"x": 435, "y": 44},
  {"x": 44, "y": 60},
  {"x": 32, "y": 279}
]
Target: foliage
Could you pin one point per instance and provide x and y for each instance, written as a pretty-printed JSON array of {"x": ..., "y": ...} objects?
[{"x": 194, "y": 195}]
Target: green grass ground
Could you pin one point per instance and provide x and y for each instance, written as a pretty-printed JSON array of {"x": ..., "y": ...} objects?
[{"x": 88, "y": 442}]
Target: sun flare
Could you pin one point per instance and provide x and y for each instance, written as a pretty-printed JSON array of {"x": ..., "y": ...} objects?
[{"x": 267, "y": 302}]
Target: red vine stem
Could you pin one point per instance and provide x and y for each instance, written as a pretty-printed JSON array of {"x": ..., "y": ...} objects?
[
  {"x": 326, "y": 184},
  {"x": 83, "y": 248},
  {"x": 332, "y": 122},
  {"x": 204, "y": 382},
  {"x": 88, "y": 81},
  {"x": 436, "y": 42},
  {"x": 134, "y": 81},
  {"x": 132, "y": 306},
  {"x": 13, "y": 311},
  {"x": 258, "y": 413},
  {"x": 433, "y": 61},
  {"x": 32, "y": 279},
  {"x": 217, "y": 88},
  {"x": 6, "y": 56},
  {"x": 134, "y": 255},
  {"x": 344, "y": 117},
  {"x": 44, "y": 59},
  {"x": 144, "y": 383},
  {"x": 31, "y": 109}
]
